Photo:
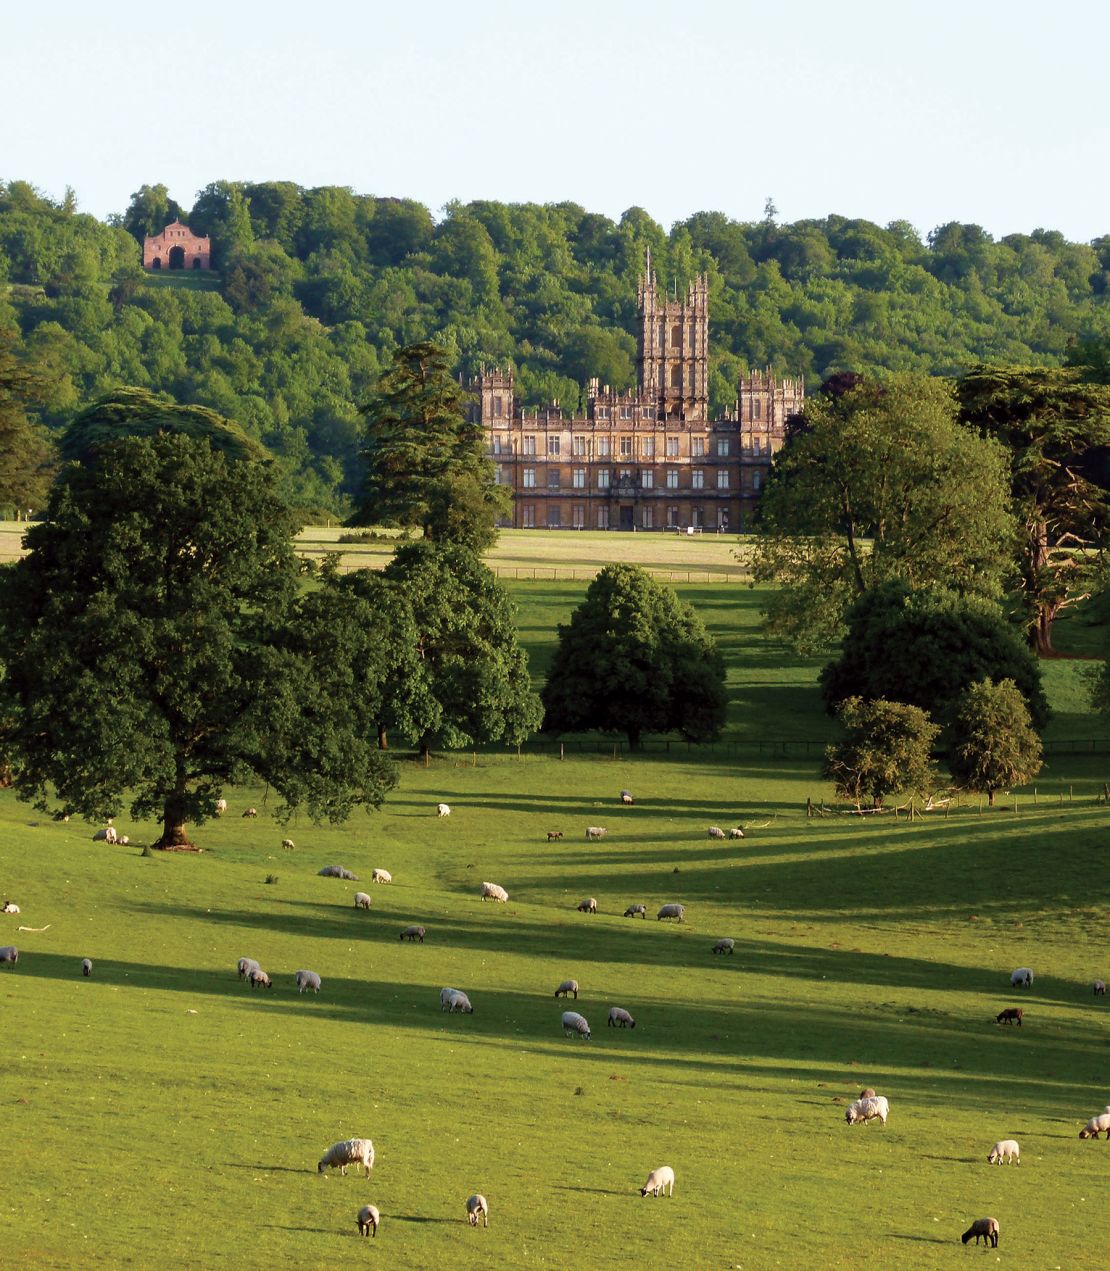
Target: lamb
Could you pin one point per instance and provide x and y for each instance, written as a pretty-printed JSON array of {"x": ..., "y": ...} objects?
[
  {"x": 221, "y": 807},
  {"x": 636, "y": 911},
  {"x": 595, "y": 832},
  {"x": 567, "y": 987},
  {"x": 626, "y": 798},
  {"x": 477, "y": 1207},
  {"x": 1021, "y": 978},
  {"x": 1005, "y": 1151},
  {"x": 362, "y": 900},
  {"x": 10, "y": 907},
  {"x": 368, "y": 1217},
  {"x": 349, "y": 1152},
  {"x": 725, "y": 945},
  {"x": 659, "y": 1182},
  {"x": 246, "y": 966},
  {"x": 620, "y": 1018},
  {"x": 672, "y": 911},
  {"x": 123, "y": 840},
  {"x": 867, "y": 1094},
  {"x": 86, "y": 966},
  {"x": 251, "y": 812},
  {"x": 715, "y": 832},
  {"x": 1012, "y": 1015},
  {"x": 985, "y": 1227},
  {"x": 575, "y": 1025},
  {"x": 553, "y": 835},
  {"x": 453, "y": 1000},
  {"x": 442, "y": 809},
  {"x": 307, "y": 980},
  {"x": 9, "y": 953},
  {"x": 106, "y": 835},
  {"x": 381, "y": 876},
  {"x": 288, "y": 845},
  {"x": 413, "y": 933},
  {"x": 491, "y": 891},
  {"x": 587, "y": 906},
  {"x": 736, "y": 832},
  {"x": 259, "y": 978},
  {"x": 873, "y": 1108},
  {"x": 1090, "y": 1131},
  {"x": 337, "y": 871},
  {"x": 1100, "y": 988}
]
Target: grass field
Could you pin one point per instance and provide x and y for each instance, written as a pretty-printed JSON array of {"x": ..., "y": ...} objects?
[{"x": 160, "y": 1113}]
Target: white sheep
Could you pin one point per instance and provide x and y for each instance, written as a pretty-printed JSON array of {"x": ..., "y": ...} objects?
[
  {"x": 349, "y": 1152},
  {"x": 1021, "y": 978},
  {"x": 9, "y": 953},
  {"x": 251, "y": 812},
  {"x": 10, "y": 907},
  {"x": 246, "y": 966},
  {"x": 288, "y": 845},
  {"x": 258, "y": 978},
  {"x": 455, "y": 1000},
  {"x": 381, "y": 876},
  {"x": 1100, "y": 988},
  {"x": 477, "y": 1207},
  {"x": 123, "y": 840},
  {"x": 873, "y": 1108},
  {"x": 442, "y": 809},
  {"x": 368, "y": 1218},
  {"x": 672, "y": 911},
  {"x": 715, "y": 832},
  {"x": 659, "y": 1182},
  {"x": 987, "y": 1228},
  {"x": 86, "y": 966},
  {"x": 636, "y": 911},
  {"x": 1090, "y": 1131},
  {"x": 587, "y": 906},
  {"x": 620, "y": 1018},
  {"x": 306, "y": 980},
  {"x": 626, "y": 798},
  {"x": 413, "y": 933},
  {"x": 725, "y": 945},
  {"x": 596, "y": 832},
  {"x": 566, "y": 988},
  {"x": 337, "y": 871},
  {"x": 106, "y": 835},
  {"x": 1005, "y": 1151},
  {"x": 221, "y": 807},
  {"x": 736, "y": 832},
  {"x": 362, "y": 900},
  {"x": 491, "y": 891},
  {"x": 574, "y": 1025}
]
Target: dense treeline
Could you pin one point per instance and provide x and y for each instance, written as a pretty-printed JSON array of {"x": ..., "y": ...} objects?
[{"x": 317, "y": 288}]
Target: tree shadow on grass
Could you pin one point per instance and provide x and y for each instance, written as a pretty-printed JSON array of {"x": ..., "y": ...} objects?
[
  {"x": 422, "y": 1218},
  {"x": 925, "y": 1240},
  {"x": 268, "y": 1169}
]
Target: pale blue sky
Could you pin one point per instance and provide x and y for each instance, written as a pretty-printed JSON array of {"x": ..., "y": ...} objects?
[{"x": 985, "y": 111}]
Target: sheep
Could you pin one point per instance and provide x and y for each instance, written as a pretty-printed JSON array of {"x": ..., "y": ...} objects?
[
  {"x": 246, "y": 966},
  {"x": 1005, "y": 1151},
  {"x": 123, "y": 840},
  {"x": 86, "y": 966},
  {"x": 337, "y": 871},
  {"x": 554, "y": 835},
  {"x": 259, "y": 977},
  {"x": 626, "y": 798},
  {"x": 672, "y": 911},
  {"x": 307, "y": 980},
  {"x": 368, "y": 1218},
  {"x": 1090, "y": 1130},
  {"x": 867, "y": 1094},
  {"x": 1012, "y": 1015},
  {"x": 736, "y": 832},
  {"x": 349, "y": 1152},
  {"x": 413, "y": 933},
  {"x": 575, "y": 1025},
  {"x": 985, "y": 1227},
  {"x": 1100, "y": 988},
  {"x": 10, "y": 907},
  {"x": 724, "y": 945},
  {"x": 477, "y": 1207},
  {"x": 455, "y": 1000},
  {"x": 442, "y": 809},
  {"x": 715, "y": 832},
  {"x": 491, "y": 891},
  {"x": 660, "y": 1182},
  {"x": 1021, "y": 978},
  {"x": 9, "y": 953},
  {"x": 381, "y": 876},
  {"x": 636, "y": 911},
  {"x": 251, "y": 812},
  {"x": 620, "y": 1018},
  {"x": 587, "y": 906},
  {"x": 106, "y": 835},
  {"x": 221, "y": 807},
  {"x": 362, "y": 900},
  {"x": 873, "y": 1108},
  {"x": 595, "y": 832},
  {"x": 288, "y": 845},
  {"x": 567, "y": 987}
]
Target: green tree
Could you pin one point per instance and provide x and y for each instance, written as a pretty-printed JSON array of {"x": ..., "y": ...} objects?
[
  {"x": 879, "y": 482},
  {"x": 156, "y": 650},
  {"x": 1050, "y": 420},
  {"x": 27, "y": 458},
  {"x": 635, "y": 659},
  {"x": 426, "y": 456},
  {"x": 994, "y": 744},
  {"x": 151, "y": 209},
  {"x": 886, "y": 749}
]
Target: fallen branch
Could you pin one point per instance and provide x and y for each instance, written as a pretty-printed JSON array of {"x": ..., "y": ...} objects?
[{"x": 46, "y": 928}]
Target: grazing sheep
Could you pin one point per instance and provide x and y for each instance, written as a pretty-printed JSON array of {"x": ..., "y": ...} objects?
[
  {"x": 477, "y": 1207},
  {"x": 221, "y": 807},
  {"x": 337, "y": 871},
  {"x": 596, "y": 832},
  {"x": 873, "y": 1108},
  {"x": 251, "y": 812},
  {"x": 736, "y": 832},
  {"x": 349, "y": 1152},
  {"x": 10, "y": 907},
  {"x": 985, "y": 1227},
  {"x": 1012, "y": 1015},
  {"x": 626, "y": 798},
  {"x": 1005, "y": 1151},
  {"x": 567, "y": 987},
  {"x": 1022, "y": 978},
  {"x": 246, "y": 966},
  {"x": 86, "y": 966},
  {"x": 715, "y": 832},
  {"x": 552, "y": 835},
  {"x": 636, "y": 911},
  {"x": 362, "y": 900},
  {"x": 587, "y": 906},
  {"x": 413, "y": 933},
  {"x": 442, "y": 809},
  {"x": 307, "y": 980},
  {"x": 867, "y": 1094},
  {"x": 620, "y": 1018},
  {"x": 9, "y": 953},
  {"x": 1090, "y": 1131},
  {"x": 288, "y": 845},
  {"x": 659, "y": 1182},
  {"x": 106, "y": 835},
  {"x": 724, "y": 945},
  {"x": 381, "y": 876},
  {"x": 368, "y": 1218},
  {"x": 574, "y": 1025},
  {"x": 123, "y": 840},
  {"x": 491, "y": 891},
  {"x": 455, "y": 1000},
  {"x": 1100, "y": 988},
  {"x": 672, "y": 911},
  {"x": 259, "y": 977}
]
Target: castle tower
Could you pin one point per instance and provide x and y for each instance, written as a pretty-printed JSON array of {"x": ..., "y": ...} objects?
[
  {"x": 493, "y": 392},
  {"x": 673, "y": 349}
]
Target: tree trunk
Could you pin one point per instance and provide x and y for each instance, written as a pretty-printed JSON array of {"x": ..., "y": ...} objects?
[
  {"x": 990, "y": 798},
  {"x": 383, "y": 738},
  {"x": 633, "y": 739},
  {"x": 1040, "y": 635},
  {"x": 174, "y": 838}
]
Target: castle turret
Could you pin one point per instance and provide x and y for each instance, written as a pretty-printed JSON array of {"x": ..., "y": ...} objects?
[{"x": 673, "y": 349}]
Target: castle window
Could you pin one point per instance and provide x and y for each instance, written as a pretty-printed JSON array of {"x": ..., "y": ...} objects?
[
  {"x": 580, "y": 446},
  {"x": 697, "y": 517},
  {"x": 698, "y": 478},
  {"x": 603, "y": 412},
  {"x": 553, "y": 478},
  {"x": 553, "y": 447},
  {"x": 647, "y": 478},
  {"x": 676, "y": 376},
  {"x": 757, "y": 481},
  {"x": 626, "y": 447},
  {"x": 603, "y": 447},
  {"x": 647, "y": 447},
  {"x": 579, "y": 481},
  {"x": 530, "y": 444},
  {"x": 603, "y": 478},
  {"x": 697, "y": 447},
  {"x": 722, "y": 479},
  {"x": 722, "y": 447},
  {"x": 676, "y": 336},
  {"x": 662, "y": 334},
  {"x": 529, "y": 478},
  {"x": 672, "y": 515},
  {"x": 757, "y": 410},
  {"x": 672, "y": 478},
  {"x": 529, "y": 516},
  {"x": 554, "y": 518},
  {"x": 497, "y": 408},
  {"x": 579, "y": 515},
  {"x": 626, "y": 412},
  {"x": 626, "y": 476},
  {"x": 646, "y": 517},
  {"x": 672, "y": 447},
  {"x": 602, "y": 518},
  {"x": 502, "y": 474},
  {"x": 649, "y": 412}
]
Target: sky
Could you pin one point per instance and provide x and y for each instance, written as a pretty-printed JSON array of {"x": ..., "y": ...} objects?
[{"x": 986, "y": 111}]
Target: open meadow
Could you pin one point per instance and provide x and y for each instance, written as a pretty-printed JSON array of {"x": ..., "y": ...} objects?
[{"x": 162, "y": 1113}]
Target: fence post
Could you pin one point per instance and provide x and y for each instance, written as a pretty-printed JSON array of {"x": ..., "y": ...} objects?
[
  {"x": 809, "y": 808},
  {"x": 560, "y": 750}
]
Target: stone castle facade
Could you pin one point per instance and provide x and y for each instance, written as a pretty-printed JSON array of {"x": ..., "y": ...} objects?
[
  {"x": 648, "y": 458},
  {"x": 177, "y": 247}
]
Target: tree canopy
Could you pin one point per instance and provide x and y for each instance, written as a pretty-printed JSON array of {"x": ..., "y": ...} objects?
[
  {"x": 886, "y": 748},
  {"x": 27, "y": 458},
  {"x": 994, "y": 744}
]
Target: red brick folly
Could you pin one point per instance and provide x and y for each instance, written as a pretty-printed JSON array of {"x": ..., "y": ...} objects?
[{"x": 177, "y": 247}]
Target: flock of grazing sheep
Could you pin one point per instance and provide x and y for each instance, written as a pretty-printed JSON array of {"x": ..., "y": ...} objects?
[{"x": 870, "y": 1106}]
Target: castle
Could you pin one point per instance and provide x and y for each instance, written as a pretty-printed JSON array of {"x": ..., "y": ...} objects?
[
  {"x": 177, "y": 247},
  {"x": 649, "y": 458}
]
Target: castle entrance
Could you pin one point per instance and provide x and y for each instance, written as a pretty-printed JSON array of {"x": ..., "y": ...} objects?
[
  {"x": 626, "y": 511},
  {"x": 177, "y": 257}
]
